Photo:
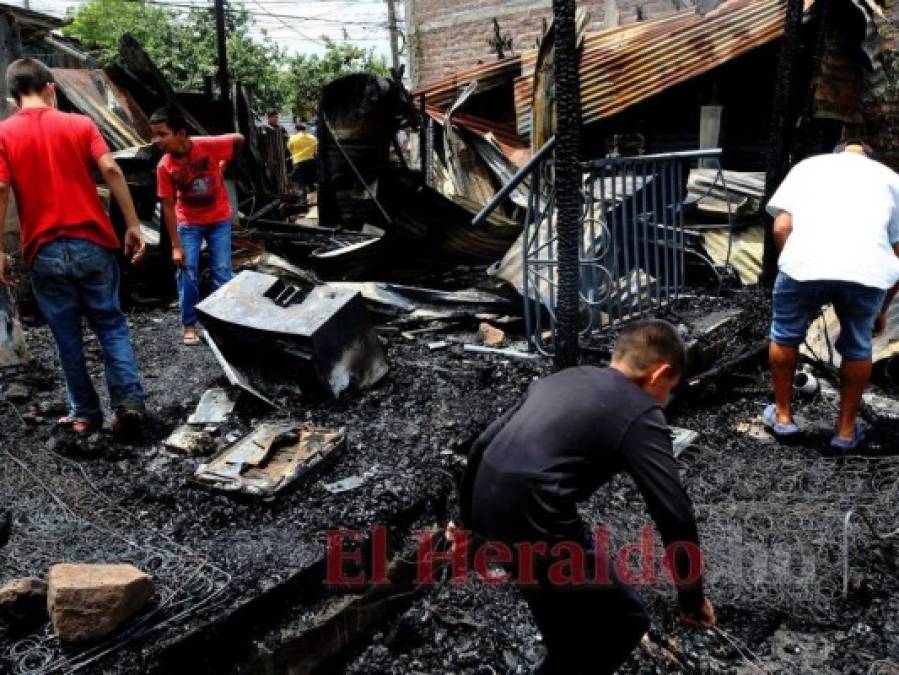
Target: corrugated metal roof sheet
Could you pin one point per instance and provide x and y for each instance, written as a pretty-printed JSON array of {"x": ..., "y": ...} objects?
[
  {"x": 624, "y": 66},
  {"x": 442, "y": 92},
  {"x": 508, "y": 141},
  {"x": 30, "y": 21},
  {"x": 92, "y": 93}
]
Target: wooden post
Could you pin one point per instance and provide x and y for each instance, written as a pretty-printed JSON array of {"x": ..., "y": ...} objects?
[
  {"x": 568, "y": 181},
  {"x": 221, "y": 43},
  {"x": 778, "y": 141},
  {"x": 10, "y": 50}
]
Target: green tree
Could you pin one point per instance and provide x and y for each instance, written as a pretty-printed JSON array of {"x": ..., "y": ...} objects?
[
  {"x": 183, "y": 44},
  {"x": 306, "y": 74}
]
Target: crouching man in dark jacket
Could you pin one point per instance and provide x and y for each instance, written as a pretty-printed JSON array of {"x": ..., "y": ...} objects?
[{"x": 530, "y": 469}]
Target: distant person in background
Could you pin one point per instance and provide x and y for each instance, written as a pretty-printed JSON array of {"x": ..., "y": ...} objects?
[
  {"x": 195, "y": 205},
  {"x": 273, "y": 123},
  {"x": 47, "y": 158},
  {"x": 302, "y": 146}
]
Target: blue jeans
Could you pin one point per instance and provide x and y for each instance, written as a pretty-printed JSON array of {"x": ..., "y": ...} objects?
[
  {"x": 797, "y": 303},
  {"x": 218, "y": 239},
  {"x": 74, "y": 279}
]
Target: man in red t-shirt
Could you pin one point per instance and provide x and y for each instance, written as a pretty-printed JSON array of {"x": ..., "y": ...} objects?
[
  {"x": 47, "y": 157},
  {"x": 195, "y": 205}
]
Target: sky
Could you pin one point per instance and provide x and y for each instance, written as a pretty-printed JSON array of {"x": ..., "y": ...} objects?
[{"x": 296, "y": 25}]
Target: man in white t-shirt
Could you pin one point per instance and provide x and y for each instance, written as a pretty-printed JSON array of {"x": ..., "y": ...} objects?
[{"x": 837, "y": 229}]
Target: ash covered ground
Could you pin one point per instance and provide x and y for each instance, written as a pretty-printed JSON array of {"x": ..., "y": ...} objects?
[{"x": 779, "y": 613}]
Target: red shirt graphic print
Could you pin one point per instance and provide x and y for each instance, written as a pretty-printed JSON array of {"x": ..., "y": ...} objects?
[{"x": 196, "y": 181}]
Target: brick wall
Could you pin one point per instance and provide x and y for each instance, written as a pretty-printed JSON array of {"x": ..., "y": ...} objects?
[{"x": 447, "y": 35}]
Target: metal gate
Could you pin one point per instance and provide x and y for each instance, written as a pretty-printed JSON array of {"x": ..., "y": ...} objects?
[{"x": 632, "y": 254}]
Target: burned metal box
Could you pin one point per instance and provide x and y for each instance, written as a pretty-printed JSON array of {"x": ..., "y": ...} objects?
[{"x": 323, "y": 338}]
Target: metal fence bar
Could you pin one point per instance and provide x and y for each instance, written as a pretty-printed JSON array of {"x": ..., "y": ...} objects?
[
  {"x": 666, "y": 275},
  {"x": 680, "y": 223},
  {"x": 632, "y": 249},
  {"x": 638, "y": 281}
]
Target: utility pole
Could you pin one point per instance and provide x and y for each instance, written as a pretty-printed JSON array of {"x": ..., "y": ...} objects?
[
  {"x": 394, "y": 35},
  {"x": 567, "y": 182},
  {"x": 224, "y": 80}
]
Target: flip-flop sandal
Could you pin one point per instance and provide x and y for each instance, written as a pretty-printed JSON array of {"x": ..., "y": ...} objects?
[
  {"x": 191, "y": 340},
  {"x": 846, "y": 444},
  {"x": 76, "y": 424},
  {"x": 777, "y": 429}
]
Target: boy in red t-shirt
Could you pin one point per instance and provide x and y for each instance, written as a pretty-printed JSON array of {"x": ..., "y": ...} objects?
[
  {"x": 195, "y": 205},
  {"x": 48, "y": 157}
]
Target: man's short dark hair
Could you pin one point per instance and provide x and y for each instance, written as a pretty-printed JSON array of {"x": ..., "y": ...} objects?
[
  {"x": 300, "y": 126},
  {"x": 272, "y": 112},
  {"x": 27, "y": 76},
  {"x": 170, "y": 116},
  {"x": 648, "y": 342},
  {"x": 841, "y": 147}
]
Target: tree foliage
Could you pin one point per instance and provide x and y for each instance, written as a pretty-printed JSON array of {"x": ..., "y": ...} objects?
[
  {"x": 183, "y": 43},
  {"x": 306, "y": 74}
]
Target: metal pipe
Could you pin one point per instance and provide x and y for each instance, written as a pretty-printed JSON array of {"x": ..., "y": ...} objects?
[
  {"x": 638, "y": 279},
  {"x": 665, "y": 249},
  {"x": 684, "y": 154},
  {"x": 655, "y": 231},
  {"x": 513, "y": 353},
  {"x": 514, "y": 182}
]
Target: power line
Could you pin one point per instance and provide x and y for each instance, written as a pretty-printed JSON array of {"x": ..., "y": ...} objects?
[{"x": 255, "y": 14}]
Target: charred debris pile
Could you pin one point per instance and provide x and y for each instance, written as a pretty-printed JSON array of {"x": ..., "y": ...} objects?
[{"x": 369, "y": 336}]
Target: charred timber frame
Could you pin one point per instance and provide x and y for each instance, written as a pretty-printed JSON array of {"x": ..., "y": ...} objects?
[{"x": 567, "y": 178}]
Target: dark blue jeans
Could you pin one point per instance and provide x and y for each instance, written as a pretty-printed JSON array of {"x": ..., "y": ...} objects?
[
  {"x": 797, "y": 303},
  {"x": 74, "y": 279},
  {"x": 218, "y": 239}
]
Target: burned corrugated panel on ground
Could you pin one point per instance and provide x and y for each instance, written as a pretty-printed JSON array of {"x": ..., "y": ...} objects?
[{"x": 270, "y": 459}]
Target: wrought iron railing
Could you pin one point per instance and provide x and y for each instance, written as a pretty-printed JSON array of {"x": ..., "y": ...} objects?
[{"x": 633, "y": 243}]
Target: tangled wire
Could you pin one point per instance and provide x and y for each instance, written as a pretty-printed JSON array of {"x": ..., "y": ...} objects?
[
  {"x": 773, "y": 535},
  {"x": 61, "y": 515}
]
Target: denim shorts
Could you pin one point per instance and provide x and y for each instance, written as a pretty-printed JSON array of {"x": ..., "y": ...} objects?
[{"x": 797, "y": 304}]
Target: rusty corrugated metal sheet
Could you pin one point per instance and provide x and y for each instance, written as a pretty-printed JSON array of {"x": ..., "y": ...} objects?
[
  {"x": 508, "y": 141},
  {"x": 624, "y": 66},
  {"x": 442, "y": 92},
  {"x": 92, "y": 93},
  {"x": 524, "y": 85}
]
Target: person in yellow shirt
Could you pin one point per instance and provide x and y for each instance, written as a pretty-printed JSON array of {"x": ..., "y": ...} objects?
[{"x": 302, "y": 146}]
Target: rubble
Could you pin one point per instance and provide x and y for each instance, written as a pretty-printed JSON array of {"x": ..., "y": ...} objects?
[
  {"x": 490, "y": 336},
  {"x": 24, "y": 601},
  {"x": 214, "y": 407},
  {"x": 86, "y": 602},
  {"x": 13, "y": 351},
  {"x": 254, "y": 596},
  {"x": 190, "y": 440}
]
